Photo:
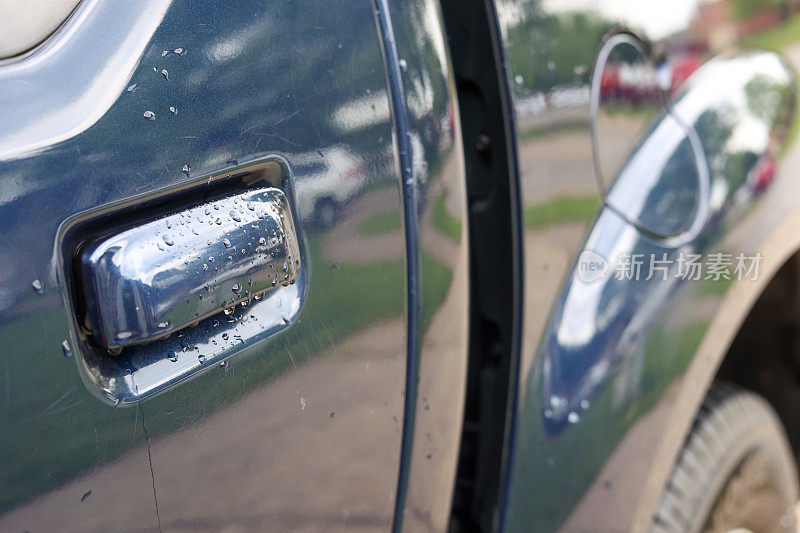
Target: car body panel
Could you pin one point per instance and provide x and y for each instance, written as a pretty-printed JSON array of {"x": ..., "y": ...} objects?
[
  {"x": 611, "y": 441},
  {"x": 437, "y": 165},
  {"x": 303, "y": 428}
]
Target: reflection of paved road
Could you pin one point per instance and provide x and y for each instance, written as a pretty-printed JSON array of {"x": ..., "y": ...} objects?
[
  {"x": 443, "y": 368},
  {"x": 544, "y": 275},
  {"x": 231, "y": 461},
  {"x": 560, "y": 162}
]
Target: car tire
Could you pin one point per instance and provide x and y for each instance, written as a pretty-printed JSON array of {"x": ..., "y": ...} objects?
[{"x": 736, "y": 470}]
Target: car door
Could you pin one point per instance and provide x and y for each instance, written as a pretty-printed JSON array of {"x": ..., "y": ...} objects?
[
  {"x": 314, "y": 402},
  {"x": 628, "y": 120}
]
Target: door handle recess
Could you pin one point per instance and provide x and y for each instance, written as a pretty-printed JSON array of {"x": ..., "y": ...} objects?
[
  {"x": 157, "y": 278},
  {"x": 162, "y": 287}
]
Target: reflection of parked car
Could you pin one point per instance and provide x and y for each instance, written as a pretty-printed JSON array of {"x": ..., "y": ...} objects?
[
  {"x": 629, "y": 83},
  {"x": 331, "y": 178}
]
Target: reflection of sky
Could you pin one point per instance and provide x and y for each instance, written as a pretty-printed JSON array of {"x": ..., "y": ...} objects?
[
  {"x": 656, "y": 19},
  {"x": 582, "y": 314},
  {"x": 361, "y": 113}
]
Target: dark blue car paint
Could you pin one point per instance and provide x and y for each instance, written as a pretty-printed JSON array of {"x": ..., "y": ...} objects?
[
  {"x": 604, "y": 404},
  {"x": 301, "y": 429}
]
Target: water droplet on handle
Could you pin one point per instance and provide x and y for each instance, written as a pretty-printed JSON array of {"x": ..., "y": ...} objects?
[
  {"x": 165, "y": 73},
  {"x": 173, "y": 110},
  {"x": 167, "y": 240},
  {"x": 132, "y": 87},
  {"x": 227, "y": 243},
  {"x": 149, "y": 115},
  {"x": 67, "y": 350}
]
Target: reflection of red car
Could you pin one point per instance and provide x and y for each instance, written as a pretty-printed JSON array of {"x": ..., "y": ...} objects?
[
  {"x": 622, "y": 82},
  {"x": 627, "y": 83},
  {"x": 683, "y": 68},
  {"x": 760, "y": 176}
]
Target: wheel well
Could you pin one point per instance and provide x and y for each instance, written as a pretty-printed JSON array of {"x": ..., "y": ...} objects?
[{"x": 765, "y": 355}]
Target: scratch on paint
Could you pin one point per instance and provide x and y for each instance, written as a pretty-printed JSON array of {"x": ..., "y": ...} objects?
[
  {"x": 149, "y": 453},
  {"x": 299, "y": 381}
]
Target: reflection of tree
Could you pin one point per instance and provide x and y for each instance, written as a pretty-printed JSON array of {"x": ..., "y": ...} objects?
[
  {"x": 552, "y": 50},
  {"x": 746, "y": 8},
  {"x": 766, "y": 97},
  {"x": 425, "y": 95},
  {"x": 714, "y": 128}
]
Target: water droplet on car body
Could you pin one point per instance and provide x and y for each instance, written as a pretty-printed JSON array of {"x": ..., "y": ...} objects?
[{"x": 38, "y": 286}]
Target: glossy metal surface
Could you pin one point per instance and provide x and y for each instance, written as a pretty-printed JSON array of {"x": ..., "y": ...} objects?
[
  {"x": 436, "y": 388},
  {"x": 611, "y": 373},
  {"x": 662, "y": 189},
  {"x": 624, "y": 86},
  {"x": 285, "y": 426},
  {"x": 158, "y": 278}
]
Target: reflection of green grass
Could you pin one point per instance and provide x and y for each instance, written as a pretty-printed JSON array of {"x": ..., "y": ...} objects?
[
  {"x": 641, "y": 112},
  {"x": 541, "y": 131},
  {"x": 561, "y": 209},
  {"x": 380, "y": 223},
  {"x": 436, "y": 283},
  {"x": 449, "y": 225},
  {"x": 794, "y": 126},
  {"x": 552, "y": 473},
  {"x": 776, "y": 39},
  {"x": 714, "y": 287},
  {"x": 44, "y": 447}
]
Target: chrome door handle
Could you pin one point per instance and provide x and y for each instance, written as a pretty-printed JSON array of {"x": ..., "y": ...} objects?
[
  {"x": 663, "y": 186},
  {"x": 154, "y": 279}
]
